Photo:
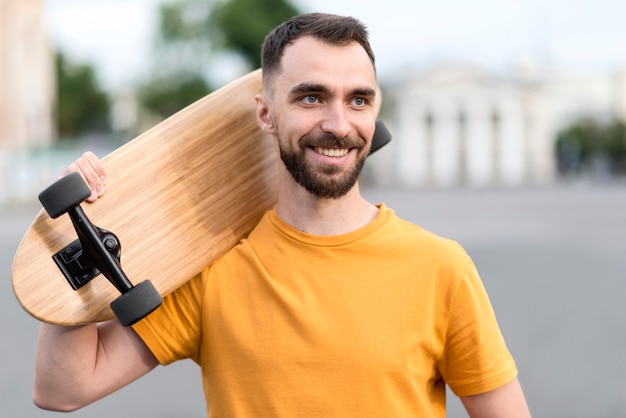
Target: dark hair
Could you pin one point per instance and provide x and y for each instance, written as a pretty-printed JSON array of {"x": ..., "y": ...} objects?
[{"x": 333, "y": 29}]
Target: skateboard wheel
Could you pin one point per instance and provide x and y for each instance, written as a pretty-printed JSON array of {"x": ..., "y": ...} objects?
[
  {"x": 381, "y": 137},
  {"x": 137, "y": 303},
  {"x": 64, "y": 194}
]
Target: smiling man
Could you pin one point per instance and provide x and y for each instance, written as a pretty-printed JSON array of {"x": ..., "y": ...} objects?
[
  {"x": 333, "y": 306},
  {"x": 327, "y": 105}
]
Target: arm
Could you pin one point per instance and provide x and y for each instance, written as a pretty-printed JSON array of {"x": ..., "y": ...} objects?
[
  {"x": 506, "y": 401},
  {"x": 75, "y": 366}
]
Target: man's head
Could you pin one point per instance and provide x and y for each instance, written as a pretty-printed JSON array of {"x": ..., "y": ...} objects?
[
  {"x": 331, "y": 29},
  {"x": 319, "y": 100}
]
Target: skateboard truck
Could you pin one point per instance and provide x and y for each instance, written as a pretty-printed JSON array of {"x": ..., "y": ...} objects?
[{"x": 96, "y": 251}]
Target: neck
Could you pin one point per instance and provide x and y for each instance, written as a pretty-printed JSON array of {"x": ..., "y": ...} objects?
[{"x": 319, "y": 216}]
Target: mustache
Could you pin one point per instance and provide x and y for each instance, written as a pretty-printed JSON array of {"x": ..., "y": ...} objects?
[{"x": 331, "y": 141}]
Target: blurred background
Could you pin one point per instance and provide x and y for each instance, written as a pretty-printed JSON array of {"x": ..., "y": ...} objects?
[{"x": 509, "y": 133}]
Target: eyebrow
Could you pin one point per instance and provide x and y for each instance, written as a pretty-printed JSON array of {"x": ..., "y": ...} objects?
[
  {"x": 368, "y": 92},
  {"x": 304, "y": 88}
]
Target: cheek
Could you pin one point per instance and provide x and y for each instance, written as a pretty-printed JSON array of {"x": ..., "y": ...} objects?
[
  {"x": 364, "y": 124},
  {"x": 293, "y": 128},
  {"x": 368, "y": 132}
]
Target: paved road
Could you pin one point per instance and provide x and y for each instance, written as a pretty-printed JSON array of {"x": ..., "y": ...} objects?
[{"x": 553, "y": 261}]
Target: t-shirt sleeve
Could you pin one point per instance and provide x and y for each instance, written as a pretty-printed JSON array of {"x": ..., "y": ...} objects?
[
  {"x": 476, "y": 359},
  {"x": 173, "y": 331}
]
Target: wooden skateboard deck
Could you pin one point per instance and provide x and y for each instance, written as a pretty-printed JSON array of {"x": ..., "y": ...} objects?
[{"x": 178, "y": 196}]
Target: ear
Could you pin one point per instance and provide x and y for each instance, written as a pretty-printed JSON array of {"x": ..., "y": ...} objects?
[{"x": 264, "y": 115}]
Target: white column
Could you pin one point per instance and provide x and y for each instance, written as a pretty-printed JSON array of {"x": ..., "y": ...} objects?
[
  {"x": 445, "y": 143},
  {"x": 479, "y": 143},
  {"x": 410, "y": 140},
  {"x": 512, "y": 153}
]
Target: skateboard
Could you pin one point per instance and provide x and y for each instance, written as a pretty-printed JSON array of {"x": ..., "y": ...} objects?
[{"x": 178, "y": 196}]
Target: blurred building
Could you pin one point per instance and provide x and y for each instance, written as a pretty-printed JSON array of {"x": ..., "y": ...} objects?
[
  {"x": 456, "y": 125},
  {"x": 26, "y": 76}
]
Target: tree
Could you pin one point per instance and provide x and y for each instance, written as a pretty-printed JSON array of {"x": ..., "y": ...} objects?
[
  {"x": 586, "y": 141},
  {"x": 616, "y": 146},
  {"x": 243, "y": 24},
  {"x": 165, "y": 96},
  {"x": 192, "y": 33},
  {"x": 82, "y": 105}
]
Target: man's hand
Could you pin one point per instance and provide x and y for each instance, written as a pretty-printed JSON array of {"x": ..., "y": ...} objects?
[{"x": 92, "y": 171}]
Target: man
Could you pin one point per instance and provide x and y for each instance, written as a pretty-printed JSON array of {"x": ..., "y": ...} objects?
[{"x": 332, "y": 307}]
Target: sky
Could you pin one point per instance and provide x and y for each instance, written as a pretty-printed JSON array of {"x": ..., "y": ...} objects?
[{"x": 589, "y": 35}]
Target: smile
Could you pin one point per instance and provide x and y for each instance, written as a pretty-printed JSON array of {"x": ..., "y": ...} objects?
[{"x": 332, "y": 152}]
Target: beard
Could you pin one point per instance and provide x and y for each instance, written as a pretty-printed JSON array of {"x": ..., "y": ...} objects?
[{"x": 329, "y": 182}]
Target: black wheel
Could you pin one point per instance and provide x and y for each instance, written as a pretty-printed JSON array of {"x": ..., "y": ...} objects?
[
  {"x": 381, "y": 137},
  {"x": 64, "y": 194},
  {"x": 136, "y": 304}
]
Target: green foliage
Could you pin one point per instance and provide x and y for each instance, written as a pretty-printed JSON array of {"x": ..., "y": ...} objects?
[
  {"x": 166, "y": 96},
  {"x": 82, "y": 105},
  {"x": 184, "y": 20},
  {"x": 586, "y": 140},
  {"x": 243, "y": 24},
  {"x": 183, "y": 47},
  {"x": 190, "y": 34},
  {"x": 184, "y": 43}
]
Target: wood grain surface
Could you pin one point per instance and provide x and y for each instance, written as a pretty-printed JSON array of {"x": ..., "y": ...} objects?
[{"x": 177, "y": 197}]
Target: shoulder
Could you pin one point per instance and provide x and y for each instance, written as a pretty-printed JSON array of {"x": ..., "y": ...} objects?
[{"x": 420, "y": 239}]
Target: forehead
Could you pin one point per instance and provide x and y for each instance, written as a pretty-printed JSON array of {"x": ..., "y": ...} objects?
[{"x": 311, "y": 60}]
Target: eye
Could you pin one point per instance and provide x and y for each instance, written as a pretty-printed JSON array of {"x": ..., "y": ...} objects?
[
  {"x": 310, "y": 99},
  {"x": 360, "y": 101}
]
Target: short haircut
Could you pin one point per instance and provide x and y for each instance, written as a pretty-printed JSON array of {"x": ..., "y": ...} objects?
[{"x": 329, "y": 28}]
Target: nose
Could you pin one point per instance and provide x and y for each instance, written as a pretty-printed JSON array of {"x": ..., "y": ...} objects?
[{"x": 336, "y": 121}]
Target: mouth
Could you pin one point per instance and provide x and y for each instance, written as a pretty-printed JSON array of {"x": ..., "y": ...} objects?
[{"x": 332, "y": 152}]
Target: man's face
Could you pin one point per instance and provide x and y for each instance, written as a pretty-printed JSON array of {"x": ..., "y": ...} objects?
[{"x": 322, "y": 112}]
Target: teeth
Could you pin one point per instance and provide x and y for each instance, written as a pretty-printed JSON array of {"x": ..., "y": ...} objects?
[{"x": 332, "y": 152}]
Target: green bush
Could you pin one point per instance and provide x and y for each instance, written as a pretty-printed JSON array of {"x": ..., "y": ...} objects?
[{"x": 586, "y": 140}]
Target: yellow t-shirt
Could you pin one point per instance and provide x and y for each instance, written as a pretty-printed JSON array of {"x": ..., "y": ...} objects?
[{"x": 365, "y": 324}]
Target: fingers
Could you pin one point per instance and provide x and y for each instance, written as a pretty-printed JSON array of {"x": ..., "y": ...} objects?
[{"x": 92, "y": 171}]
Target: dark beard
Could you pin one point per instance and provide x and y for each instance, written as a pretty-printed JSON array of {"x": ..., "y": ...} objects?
[{"x": 319, "y": 184}]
